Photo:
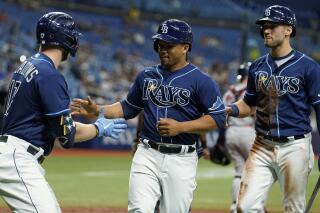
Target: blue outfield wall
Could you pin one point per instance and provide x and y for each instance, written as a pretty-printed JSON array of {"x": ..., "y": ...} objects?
[{"x": 126, "y": 139}]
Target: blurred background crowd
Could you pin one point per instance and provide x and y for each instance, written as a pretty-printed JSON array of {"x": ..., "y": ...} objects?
[{"x": 116, "y": 41}]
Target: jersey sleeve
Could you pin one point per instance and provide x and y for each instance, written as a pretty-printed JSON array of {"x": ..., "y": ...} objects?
[
  {"x": 210, "y": 98},
  {"x": 133, "y": 103},
  {"x": 211, "y": 101},
  {"x": 250, "y": 96},
  {"x": 312, "y": 78},
  {"x": 54, "y": 96}
]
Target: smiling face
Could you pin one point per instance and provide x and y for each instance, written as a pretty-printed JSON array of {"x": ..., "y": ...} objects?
[
  {"x": 275, "y": 34},
  {"x": 172, "y": 56}
]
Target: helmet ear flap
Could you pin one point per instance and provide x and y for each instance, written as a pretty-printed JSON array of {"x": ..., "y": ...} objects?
[{"x": 261, "y": 32}]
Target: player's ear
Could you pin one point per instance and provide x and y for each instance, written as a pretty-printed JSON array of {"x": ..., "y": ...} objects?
[
  {"x": 288, "y": 30},
  {"x": 186, "y": 48}
]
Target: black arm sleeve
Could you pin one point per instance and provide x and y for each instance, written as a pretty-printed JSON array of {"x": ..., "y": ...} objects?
[{"x": 63, "y": 128}]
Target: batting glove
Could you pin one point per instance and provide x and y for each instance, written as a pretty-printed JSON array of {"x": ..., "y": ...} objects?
[{"x": 110, "y": 127}]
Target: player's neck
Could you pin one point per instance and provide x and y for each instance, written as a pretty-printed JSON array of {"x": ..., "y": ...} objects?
[
  {"x": 55, "y": 55},
  {"x": 281, "y": 50},
  {"x": 177, "y": 66}
]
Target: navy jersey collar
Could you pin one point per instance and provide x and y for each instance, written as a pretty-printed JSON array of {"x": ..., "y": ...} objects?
[
  {"x": 271, "y": 61},
  {"x": 283, "y": 57},
  {"x": 41, "y": 56}
]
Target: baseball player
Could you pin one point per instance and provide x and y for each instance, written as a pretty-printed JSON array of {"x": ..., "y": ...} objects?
[
  {"x": 36, "y": 113},
  {"x": 240, "y": 134},
  {"x": 201, "y": 148},
  {"x": 282, "y": 87},
  {"x": 173, "y": 96}
]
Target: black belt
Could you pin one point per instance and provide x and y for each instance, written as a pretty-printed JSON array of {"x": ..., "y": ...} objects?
[
  {"x": 281, "y": 139},
  {"x": 31, "y": 148},
  {"x": 168, "y": 148}
]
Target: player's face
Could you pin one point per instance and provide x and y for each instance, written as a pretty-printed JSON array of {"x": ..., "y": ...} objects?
[
  {"x": 172, "y": 56},
  {"x": 275, "y": 34}
]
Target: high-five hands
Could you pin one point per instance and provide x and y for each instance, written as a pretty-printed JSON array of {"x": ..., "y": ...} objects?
[
  {"x": 110, "y": 127},
  {"x": 90, "y": 110},
  {"x": 86, "y": 108}
]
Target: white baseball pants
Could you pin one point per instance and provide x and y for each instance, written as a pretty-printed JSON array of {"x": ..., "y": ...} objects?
[{"x": 22, "y": 182}]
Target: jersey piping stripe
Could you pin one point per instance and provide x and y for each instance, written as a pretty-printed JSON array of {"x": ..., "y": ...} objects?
[
  {"x": 148, "y": 69},
  {"x": 156, "y": 105},
  {"x": 291, "y": 64},
  {"x": 15, "y": 164},
  {"x": 267, "y": 58},
  {"x": 182, "y": 75},
  {"x": 40, "y": 59},
  {"x": 58, "y": 113},
  {"x": 249, "y": 93},
  {"x": 217, "y": 112},
  {"x": 132, "y": 104},
  {"x": 278, "y": 123},
  {"x": 315, "y": 102},
  {"x": 166, "y": 112}
]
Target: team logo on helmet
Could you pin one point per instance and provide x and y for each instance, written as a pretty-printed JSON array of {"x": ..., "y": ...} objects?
[
  {"x": 267, "y": 12},
  {"x": 164, "y": 28}
]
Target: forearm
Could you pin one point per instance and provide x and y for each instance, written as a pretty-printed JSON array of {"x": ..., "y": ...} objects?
[
  {"x": 85, "y": 132},
  {"x": 113, "y": 110},
  {"x": 200, "y": 125},
  {"x": 244, "y": 109}
]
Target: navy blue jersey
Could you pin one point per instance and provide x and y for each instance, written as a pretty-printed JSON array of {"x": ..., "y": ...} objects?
[
  {"x": 183, "y": 95},
  {"x": 37, "y": 91},
  {"x": 283, "y": 95}
]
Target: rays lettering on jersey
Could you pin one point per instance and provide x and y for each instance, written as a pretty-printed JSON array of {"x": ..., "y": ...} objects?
[
  {"x": 164, "y": 95},
  {"x": 283, "y": 84}
]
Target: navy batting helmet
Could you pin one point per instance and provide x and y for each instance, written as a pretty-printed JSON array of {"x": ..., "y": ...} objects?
[
  {"x": 58, "y": 29},
  {"x": 281, "y": 15},
  {"x": 243, "y": 70},
  {"x": 173, "y": 31}
]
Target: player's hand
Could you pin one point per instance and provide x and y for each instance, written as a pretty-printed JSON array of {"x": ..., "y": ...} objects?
[
  {"x": 110, "y": 127},
  {"x": 168, "y": 127},
  {"x": 206, "y": 154},
  {"x": 228, "y": 112},
  {"x": 86, "y": 108}
]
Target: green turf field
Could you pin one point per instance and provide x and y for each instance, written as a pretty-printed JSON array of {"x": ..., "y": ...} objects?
[{"x": 103, "y": 182}]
